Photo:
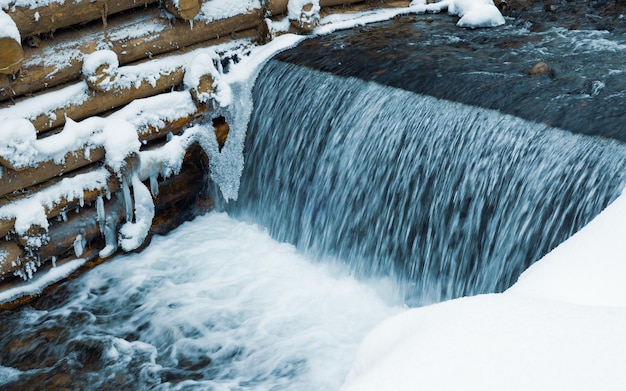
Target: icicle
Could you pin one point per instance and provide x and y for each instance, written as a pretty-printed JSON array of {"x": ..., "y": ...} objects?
[
  {"x": 128, "y": 200},
  {"x": 133, "y": 234},
  {"x": 79, "y": 245},
  {"x": 54, "y": 261},
  {"x": 101, "y": 214},
  {"x": 110, "y": 238},
  {"x": 154, "y": 185}
]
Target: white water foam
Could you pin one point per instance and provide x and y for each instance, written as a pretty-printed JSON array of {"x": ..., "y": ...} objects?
[{"x": 223, "y": 298}]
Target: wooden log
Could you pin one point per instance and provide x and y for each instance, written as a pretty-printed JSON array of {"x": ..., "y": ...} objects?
[
  {"x": 11, "y": 52},
  {"x": 151, "y": 133},
  {"x": 64, "y": 234},
  {"x": 100, "y": 69},
  {"x": 158, "y": 36},
  {"x": 11, "y": 258},
  {"x": 56, "y": 15},
  {"x": 99, "y": 102},
  {"x": 62, "y": 204},
  {"x": 14, "y": 180},
  {"x": 183, "y": 9},
  {"x": 276, "y": 7}
]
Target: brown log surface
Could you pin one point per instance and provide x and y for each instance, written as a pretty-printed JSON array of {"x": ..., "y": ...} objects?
[
  {"x": 54, "y": 16},
  {"x": 183, "y": 9},
  {"x": 11, "y": 55},
  {"x": 99, "y": 102},
  {"x": 10, "y": 257}
]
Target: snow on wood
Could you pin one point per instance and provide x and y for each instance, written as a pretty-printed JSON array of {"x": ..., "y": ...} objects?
[
  {"x": 14, "y": 180},
  {"x": 38, "y": 18},
  {"x": 80, "y": 189},
  {"x": 11, "y": 256},
  {"x": 60, "y": 61},
  {"x": 11, "y": 52}
]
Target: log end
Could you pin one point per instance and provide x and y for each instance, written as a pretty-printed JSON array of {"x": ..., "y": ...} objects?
[
  {"x": 184, "y": 9},
  {"x": 11, "y": 55}
]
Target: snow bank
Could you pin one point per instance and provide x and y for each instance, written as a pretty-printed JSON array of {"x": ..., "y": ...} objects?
[{"x": 560, "y": 327}]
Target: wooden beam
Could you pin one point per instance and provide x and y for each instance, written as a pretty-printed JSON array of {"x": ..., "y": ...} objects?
[
  {"x": 183, "y": 9},
  {"x": 14, "y": 180},
  {"x": 99, "y": 102},
  {"x": 57, "y": 15}
]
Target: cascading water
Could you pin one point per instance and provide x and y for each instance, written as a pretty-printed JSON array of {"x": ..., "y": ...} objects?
[{"x": 451, "y": 199}]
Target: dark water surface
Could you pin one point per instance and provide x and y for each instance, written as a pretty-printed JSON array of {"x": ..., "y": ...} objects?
[{"x": 489, "y": 68}]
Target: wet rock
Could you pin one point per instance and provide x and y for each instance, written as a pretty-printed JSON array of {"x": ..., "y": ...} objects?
[{"x": 541, "y": 68}]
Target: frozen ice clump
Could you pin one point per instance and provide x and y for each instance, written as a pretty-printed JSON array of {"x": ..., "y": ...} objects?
[
  {"x": 307, "y": 12},
  {"x": 17, "y": 142},
  {"x": 133, "y": 234},
  {"x": 473, "y": 13},
  {"x": 119, "y": 138},
  {"x": 476, "y": 13}
]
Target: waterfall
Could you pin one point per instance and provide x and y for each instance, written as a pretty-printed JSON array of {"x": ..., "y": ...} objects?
[{"x": 449, "y": 199}]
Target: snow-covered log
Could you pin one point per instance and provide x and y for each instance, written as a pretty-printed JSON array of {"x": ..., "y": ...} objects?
[
  {"x": 183, "y": 9},
  {"x": 64, "y": 236},
  {"x": 55, "y": 206},
  {"x": 15, "y": 180},
  {"x": 60, "y": 60},
  {"x": 51, "y": 16},
  {"x": 11, "y": 257},
  {"x": 97, "y": 102},
  {"x": 11, "y": 52}
]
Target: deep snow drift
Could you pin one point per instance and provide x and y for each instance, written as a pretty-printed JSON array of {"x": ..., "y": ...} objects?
[{"x": 560, "y": 327}]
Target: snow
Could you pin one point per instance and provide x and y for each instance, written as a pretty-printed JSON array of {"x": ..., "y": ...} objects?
[
  {"x": 476, "y": 13},
  {"x": 306, "y": 12},
  {"x": 559, "y": 327},
  {"x": 221, "y": 9},
  {"x": 8, "y": 29}
]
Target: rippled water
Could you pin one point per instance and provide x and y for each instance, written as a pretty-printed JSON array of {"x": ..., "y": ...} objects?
[{"x": 215, "y": 305}]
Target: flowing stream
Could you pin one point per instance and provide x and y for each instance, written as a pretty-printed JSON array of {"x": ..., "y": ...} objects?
[
  {"x": 357, "y": 199},
  {"x": 449, "y": 199}
]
